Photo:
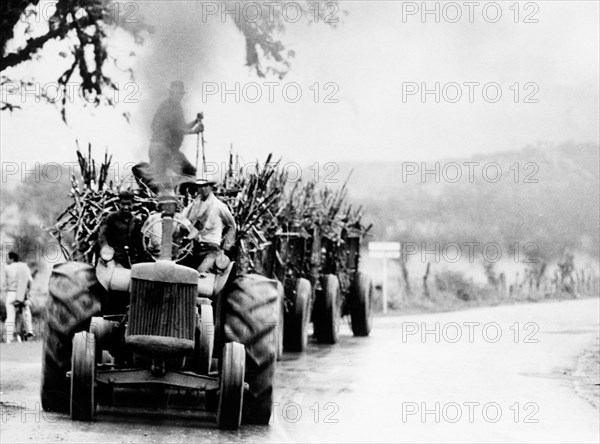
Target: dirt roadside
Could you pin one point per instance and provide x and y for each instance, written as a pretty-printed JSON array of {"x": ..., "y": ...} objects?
[{"x": 586, "y": 376}]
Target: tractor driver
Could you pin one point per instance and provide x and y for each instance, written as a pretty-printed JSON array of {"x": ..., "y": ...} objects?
[
  {"x": 152, "y": 229},
  {"x": 215, "y": 223},
  {"x": 121, "y": 231}
]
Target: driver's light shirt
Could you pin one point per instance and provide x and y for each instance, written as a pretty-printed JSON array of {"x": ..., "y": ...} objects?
[{"x": 215, "y": 221}]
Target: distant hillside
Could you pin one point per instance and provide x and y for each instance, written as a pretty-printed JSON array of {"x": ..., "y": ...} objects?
[
  {"x": 552, "y": 201},
  {"x": 547, "y": 195}
]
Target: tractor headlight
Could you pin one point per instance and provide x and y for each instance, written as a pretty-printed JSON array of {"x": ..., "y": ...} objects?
[{"x": 107, "y": 253}]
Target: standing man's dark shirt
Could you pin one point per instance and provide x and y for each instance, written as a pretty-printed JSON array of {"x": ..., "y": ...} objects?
[
  {"x": 168, "y": 129},
  {"x": 168, "y": 125}
]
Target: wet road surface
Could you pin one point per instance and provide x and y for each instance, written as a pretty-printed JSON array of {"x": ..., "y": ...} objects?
[{"x": 495, "y": 374}]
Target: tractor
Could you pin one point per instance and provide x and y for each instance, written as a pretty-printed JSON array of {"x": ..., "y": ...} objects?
[
  {"x": 285, "y": 259},
  {"x": 157, "y": 331},
  {"x": 321, "y": 283},
  {"x": 340, "y": 288}
]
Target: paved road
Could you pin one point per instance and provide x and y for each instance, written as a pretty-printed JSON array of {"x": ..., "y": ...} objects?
[{"x": 495, "y": 374}]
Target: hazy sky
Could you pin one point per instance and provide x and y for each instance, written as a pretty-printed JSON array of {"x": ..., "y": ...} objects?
[{"x": 377, "y": 51}]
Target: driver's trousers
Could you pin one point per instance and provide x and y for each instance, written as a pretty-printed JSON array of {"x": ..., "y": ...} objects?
[{"x": 207, "y": 254}]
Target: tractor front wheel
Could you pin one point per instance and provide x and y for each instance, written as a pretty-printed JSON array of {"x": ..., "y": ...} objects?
[
  {"x": 229, "y": 412},
  {"x": 280, "y": 330},
  {"x": 83, "y": 377},
  {"x": 360, "y": 305},
  {"x": 296, "y": 322},
  {"x": 204, "y": 341},
  {"x": 327, "y": 311}
]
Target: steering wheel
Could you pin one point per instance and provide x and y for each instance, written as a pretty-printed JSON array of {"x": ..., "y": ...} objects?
[{"x": 152, "y": 240}]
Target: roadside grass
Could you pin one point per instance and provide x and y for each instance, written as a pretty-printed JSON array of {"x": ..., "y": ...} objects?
[{"x": 455, "y": 289}]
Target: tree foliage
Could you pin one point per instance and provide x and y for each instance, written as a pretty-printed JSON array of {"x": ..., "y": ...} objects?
[{"x": 86, "y": 25}]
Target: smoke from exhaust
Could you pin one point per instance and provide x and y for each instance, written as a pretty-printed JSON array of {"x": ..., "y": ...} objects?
[{"x": 180, "y": 47}]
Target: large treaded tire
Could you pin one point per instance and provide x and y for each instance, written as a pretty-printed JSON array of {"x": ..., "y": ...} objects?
[
  {"x": 326, "y": 313},
  {"x": 297, "y": 318},
  {"x": 74, "y": 297},
  {"x": 56, "y": 362},
  {"x": 251, "y": 318},
  {"x": 360, "y": 305}
]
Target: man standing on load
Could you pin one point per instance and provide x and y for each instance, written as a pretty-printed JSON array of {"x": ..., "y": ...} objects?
[
  {"x": 215, "y": 223},
  {"x": 168, "y": 129}
]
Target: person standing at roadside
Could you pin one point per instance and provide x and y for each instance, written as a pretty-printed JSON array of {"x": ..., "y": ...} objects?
[{"x": 16, "y": 281}]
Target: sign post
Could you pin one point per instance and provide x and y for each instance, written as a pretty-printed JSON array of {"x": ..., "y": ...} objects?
[{"x": 385, "y": 251}]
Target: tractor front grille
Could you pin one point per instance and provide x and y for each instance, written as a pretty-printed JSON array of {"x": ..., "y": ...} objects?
[{"x": 162, "y": 309}]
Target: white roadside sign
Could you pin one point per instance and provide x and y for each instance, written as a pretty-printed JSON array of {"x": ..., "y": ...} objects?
[
  {"x": 385, "y": 251},
  {"x": 385, "y": 254},
  {"x": 384, "y": 246}
]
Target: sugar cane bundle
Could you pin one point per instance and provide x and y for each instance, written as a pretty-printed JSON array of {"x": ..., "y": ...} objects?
[
  {"x": 254, "y": 208},
  {"x": 94, "y": 196},
  {"x": 326, "y": 213}
]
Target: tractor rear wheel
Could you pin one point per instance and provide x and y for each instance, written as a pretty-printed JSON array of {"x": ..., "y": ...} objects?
[
  {"x": 327, "y": 311},
  {"x": 231, "y": 392},
  {"x": 252, "y": 308},
  {"x": 74, "y": 297},
  {"x": 56, "y": 362},
  {"x": 296, "y": 322},
  {"x": 360, "y": 305},
  {"x": 83, "y": 377}
]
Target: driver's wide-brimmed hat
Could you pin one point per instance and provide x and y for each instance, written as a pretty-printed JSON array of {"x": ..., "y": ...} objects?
[{"x": 205, "y": 182}]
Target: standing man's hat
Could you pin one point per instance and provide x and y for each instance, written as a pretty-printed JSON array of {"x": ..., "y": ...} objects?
[{"x": 177, "y": 86}]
